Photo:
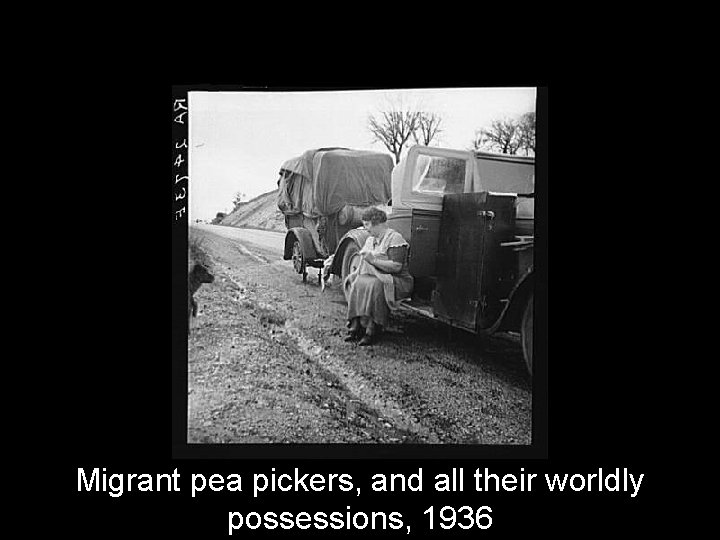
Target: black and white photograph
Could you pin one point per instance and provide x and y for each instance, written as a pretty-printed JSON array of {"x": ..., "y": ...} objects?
[{"x": 361, "y": 266}]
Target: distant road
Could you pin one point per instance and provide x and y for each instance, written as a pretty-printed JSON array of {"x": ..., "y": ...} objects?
[{"x": 271, "y": 240}]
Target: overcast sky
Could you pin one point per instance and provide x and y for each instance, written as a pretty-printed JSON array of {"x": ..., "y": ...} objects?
[{"x": 239, "y": 140}]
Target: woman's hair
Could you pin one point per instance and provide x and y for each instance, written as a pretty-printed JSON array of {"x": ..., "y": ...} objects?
[{"x": 374, "y": 216}]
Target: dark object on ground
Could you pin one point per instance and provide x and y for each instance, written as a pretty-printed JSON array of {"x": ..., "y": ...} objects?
[{"x": 196, "y": 277}]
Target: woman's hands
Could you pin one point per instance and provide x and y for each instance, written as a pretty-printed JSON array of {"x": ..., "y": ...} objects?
[{"x": 369, "y": 257}]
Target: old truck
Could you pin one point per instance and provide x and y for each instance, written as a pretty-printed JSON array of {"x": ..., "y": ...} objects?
[{"x": 469, "y": 219}]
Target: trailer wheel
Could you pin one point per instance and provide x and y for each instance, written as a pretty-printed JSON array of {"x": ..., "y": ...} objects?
[
  {"x": 298, "y": 260},
  {"x": 526, "y": 334}
]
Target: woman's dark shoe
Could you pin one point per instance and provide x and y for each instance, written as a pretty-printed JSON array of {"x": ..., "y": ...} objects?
[
  {"x": 367, "y": 340},
  {"x": 355, "y": 331}
]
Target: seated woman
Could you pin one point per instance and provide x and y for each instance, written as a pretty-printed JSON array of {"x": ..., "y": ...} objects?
[{"x": 379, "y": 282}]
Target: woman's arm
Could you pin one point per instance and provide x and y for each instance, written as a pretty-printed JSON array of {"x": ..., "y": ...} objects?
[
  {"x": 391, "y": 267},
  {"x": 394, "y": 263}
]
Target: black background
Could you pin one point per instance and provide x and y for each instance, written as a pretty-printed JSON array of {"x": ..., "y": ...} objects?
[{"x": 115, "y": 410}]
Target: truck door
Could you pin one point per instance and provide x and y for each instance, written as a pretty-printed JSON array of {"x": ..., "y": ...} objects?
[{"x": 473, "y": 271}]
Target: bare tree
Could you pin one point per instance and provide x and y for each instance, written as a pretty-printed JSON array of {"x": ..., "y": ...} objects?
[
  {"x": 428, "y": 128},
  {"x": 502, "y": 136},
  {"x": 526, "y": 126},
  {"x": 393, "y": 127},
  {"x": 508, "y": 136}
]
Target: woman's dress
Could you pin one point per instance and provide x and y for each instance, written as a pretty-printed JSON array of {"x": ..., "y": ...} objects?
[{"x": 371, "y": 292}]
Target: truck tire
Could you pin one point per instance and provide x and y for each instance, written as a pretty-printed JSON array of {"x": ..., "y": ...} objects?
[
  {"x": 351, "y": 259},
  {"x": 526, "y": 334}
]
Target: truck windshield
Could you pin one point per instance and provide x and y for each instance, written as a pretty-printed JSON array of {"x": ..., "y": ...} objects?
[{"x": 441, "y": 175}]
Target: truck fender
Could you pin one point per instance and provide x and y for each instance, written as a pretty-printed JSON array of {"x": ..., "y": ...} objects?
[
  {"x": 357, "y": 236},
  {"x": 513, "y": 312},
  {"x": 306, "y": 243}
]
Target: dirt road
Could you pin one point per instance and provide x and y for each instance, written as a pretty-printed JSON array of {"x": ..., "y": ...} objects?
[{"x": 268, "y": 364}]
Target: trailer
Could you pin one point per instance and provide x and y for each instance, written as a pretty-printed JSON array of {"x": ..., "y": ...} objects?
[{"x": 322, "y": 194}]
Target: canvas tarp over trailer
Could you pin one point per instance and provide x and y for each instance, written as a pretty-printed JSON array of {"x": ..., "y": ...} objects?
[{"x": 323, "y": 181}]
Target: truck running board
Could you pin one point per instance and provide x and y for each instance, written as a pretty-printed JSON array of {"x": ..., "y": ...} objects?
[{"x": 418, "y": 307}]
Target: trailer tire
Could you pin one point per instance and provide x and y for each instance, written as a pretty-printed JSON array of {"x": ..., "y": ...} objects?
[
  {"x": 526, "y": 333},
  {"x": 298, "y": 259}
]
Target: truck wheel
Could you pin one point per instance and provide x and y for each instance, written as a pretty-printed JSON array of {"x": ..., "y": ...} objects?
[
  {"x": 298, "y": 260},
  {"x": 526, "y": 334},
  {"x": 351, "y": 259}
]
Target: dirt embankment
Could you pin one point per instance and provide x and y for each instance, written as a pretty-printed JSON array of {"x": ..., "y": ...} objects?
[
  {"x": 268, "y": 363},
  {"x": 259, "y": 213}
]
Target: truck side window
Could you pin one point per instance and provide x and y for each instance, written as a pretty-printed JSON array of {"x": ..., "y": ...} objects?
[{"x": 444, "y": 175}]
